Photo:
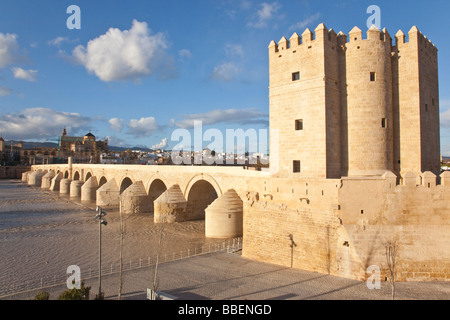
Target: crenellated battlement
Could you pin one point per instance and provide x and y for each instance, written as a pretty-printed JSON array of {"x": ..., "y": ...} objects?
[
  {"x": 414, "y": 37},
  {"x": 322, "y": 33},
  {"x": 424, "y": 179}
]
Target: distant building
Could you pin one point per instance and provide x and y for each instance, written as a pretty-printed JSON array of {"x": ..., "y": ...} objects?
[
  {"x": 9, "y": 154},
  {"x": 82, "y": 149}
]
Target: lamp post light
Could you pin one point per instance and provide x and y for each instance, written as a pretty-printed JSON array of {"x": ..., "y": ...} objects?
[{"x": 99, "y": 217}]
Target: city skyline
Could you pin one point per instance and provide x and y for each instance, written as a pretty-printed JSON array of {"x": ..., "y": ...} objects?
[{"x": 135, "y": 73}]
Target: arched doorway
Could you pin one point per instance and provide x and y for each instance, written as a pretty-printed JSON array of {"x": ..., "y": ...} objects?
[
  {"x": 125, "y": 184},
  {"x": 200, "y": 196},
  {"x": 157, "y": 188}
]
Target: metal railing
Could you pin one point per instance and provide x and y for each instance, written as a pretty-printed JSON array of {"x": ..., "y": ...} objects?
[{"x": 230, "y": 246}]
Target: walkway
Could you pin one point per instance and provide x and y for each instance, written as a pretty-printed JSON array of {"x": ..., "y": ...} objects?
[{"x": 225, "y": 276}]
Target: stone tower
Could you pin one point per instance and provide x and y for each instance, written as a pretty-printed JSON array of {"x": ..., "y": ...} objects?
[
  {"x": 416, "y": 103},
  {"x": 347, "y": 106}
]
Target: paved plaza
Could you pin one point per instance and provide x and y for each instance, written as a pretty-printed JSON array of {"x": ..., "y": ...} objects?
[{"x": 228, "y": 276}]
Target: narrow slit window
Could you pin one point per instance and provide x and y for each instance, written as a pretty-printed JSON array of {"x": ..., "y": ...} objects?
[
  {"x": 383, "y": 122},
  {"x": 297, "y": 166},
  {"x": 296, "y": 76},
  {"x": 299, "y": 125},
  {"x": 373, "y": 77}
]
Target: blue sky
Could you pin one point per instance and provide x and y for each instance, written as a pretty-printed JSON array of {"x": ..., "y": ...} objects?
[{"x": 184, "y": 59}]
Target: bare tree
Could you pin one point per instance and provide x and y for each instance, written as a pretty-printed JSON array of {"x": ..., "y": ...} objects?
[
  {"x": 155, "y": 283},
  {"x": 119, "y": 295},
  {"x": 391, "y": 256}
]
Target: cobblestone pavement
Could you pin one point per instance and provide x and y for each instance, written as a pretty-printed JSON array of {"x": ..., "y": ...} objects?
[{"x": 225, "y": 276}]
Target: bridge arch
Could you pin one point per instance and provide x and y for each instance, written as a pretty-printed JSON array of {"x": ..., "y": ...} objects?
[
  {"x": 76, "y": 175},
  {"x": 102, "y": 181},
  {"x": 205, "y": 177},
  {"x": 88, "y": 175},
  {"x": 200, "y": 192},
  {"x": 156, "y": 188},
  {"x": 125, "y": 183},
  {"x": 66, "y": 174}
]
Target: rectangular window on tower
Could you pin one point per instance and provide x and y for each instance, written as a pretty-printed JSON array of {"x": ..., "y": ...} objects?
[
  {"x": 373, "y": 77},
  {"x": 298, "y": 125},
  {"x": 296, "y": 76},
  {"x": 383, "y": 123},
  {"x": 297, "y": 166}
]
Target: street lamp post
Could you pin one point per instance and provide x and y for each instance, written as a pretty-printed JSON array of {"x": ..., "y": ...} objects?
[{"x": 99, "y": 217}]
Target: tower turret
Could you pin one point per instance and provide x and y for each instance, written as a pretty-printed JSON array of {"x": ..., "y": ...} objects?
[{"x": 369, "y": 103}]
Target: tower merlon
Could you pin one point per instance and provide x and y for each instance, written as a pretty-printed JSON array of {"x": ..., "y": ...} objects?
[
  {"x": 355, "y": 34},
  {"x": 400, "y": 37},
  {"x": 295, "y": 40},
  {"x": 283, "y": 44},
  {"x": 307, "y": 35},
  {"x": 373, "y": 33}
]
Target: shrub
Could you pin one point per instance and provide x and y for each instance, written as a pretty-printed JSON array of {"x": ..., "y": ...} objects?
[
  {"x": 42, "y": 295},
  {"x": 76, "y": 294}
]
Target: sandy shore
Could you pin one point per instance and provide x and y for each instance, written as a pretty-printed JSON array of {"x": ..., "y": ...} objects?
[{"x": 43, "y": 232}]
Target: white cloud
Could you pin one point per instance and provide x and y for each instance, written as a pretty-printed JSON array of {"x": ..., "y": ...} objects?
[
  {"x": 185, "y": 53},
  {"x": 304, "y": 23},
  {"x": 160, "y": 145},
  {"x": 116, "y": 142},
  {"x": 41, "y": 123},
  {"x": 127, "y": 55},
  {"x": 9, "y": 50},
  {"x": 445, "y": 119},
  {"x": 28, "y": 75},
  {"x": 234, "y": 50},
  {"x": 238, "y": 116},
  {"x": 4, "y": 91},
  {"x": 265, "y": 14},
  {"x": 116, "y": 124},
  {"x": 143, "y": 127},
  {"x": 57, "y": 41},
  {"x": 225, "y": 72}
]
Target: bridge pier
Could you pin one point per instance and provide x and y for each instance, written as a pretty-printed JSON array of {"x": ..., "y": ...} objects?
[
  {"x": 170, "y": 206},
  {"x": 47, "y": 179},
  {"x": 89, "y": 189},
  {"x": 108, "y": 195},
  {"x": 64, "y": 186},
  {"x": 135, "y": 199},
  {"x": 25, "y": 176},
  {"x": 54, "y": 186},
  {"x": 224, "y": 217},
  {"x": 75, "y": 188},
  {"x": 35, "y": 179}
]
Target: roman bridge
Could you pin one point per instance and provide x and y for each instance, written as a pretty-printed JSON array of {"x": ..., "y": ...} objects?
[
  {"x": 171, "y": 193},
  {"x": 332, "y": 226}
]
